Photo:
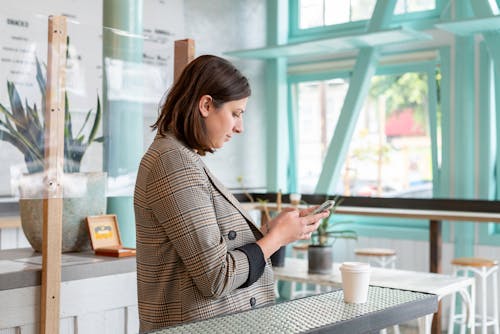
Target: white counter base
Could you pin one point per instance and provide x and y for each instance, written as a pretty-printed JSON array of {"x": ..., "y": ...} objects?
[{"x": 105, "y": 304}]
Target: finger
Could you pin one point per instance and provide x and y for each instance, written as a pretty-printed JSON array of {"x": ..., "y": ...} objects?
[
  {"x": 314, "y": 218},
  {"x": 306, "y": 235},
  {"x": 311, "y": 228},
  {"x": 307, "y": 211},
  {"x": 289, "y": 209}
]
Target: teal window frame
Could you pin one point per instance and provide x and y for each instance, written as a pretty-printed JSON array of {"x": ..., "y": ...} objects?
[
  {"x": 488, "y": 233},
  {"x": 296, "y": 34},
  {"x": 382, "y": 227}
]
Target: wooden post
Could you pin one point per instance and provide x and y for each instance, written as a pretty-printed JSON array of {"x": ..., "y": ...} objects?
[
  {"x": 183, "y": 54},
  {"x": 435, "y": 264},
  {"x": 54, "y": 160}
]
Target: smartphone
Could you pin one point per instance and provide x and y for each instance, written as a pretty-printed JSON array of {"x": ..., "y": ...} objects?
[{"x": 327, "y": 205}]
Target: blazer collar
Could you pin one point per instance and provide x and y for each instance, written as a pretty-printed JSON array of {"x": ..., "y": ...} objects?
[{"x": 227, "y": 194}]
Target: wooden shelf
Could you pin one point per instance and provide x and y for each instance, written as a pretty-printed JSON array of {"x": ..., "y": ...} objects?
[
  {"x": 335, "y": 44},
  {"x": 10, "y": 222},
  {"x": 471, "y": 26}
]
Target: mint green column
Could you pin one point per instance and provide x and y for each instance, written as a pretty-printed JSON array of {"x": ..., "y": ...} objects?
[
  {"x": 276, "y": 99},
  {"x": 123, "y": 117}
]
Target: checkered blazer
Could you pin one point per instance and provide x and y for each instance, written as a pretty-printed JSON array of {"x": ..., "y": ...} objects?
[{"x": 188, "y": 226}]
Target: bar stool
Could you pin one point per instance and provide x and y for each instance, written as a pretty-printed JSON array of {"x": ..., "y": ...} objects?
[
  {"x": 482, "y": 270},
  {"x": 382, "y": 257}
]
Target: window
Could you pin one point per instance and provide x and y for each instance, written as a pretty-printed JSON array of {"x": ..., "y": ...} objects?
[
  {"x": 390, "y": 151},
  {"x": 318, "y": 13}
]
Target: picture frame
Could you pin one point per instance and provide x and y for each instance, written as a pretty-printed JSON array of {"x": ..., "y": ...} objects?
[{"x": 105, "y": 236}]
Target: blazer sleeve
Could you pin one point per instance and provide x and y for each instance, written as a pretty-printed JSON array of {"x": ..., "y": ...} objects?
[{"x": 179, "y": 195}]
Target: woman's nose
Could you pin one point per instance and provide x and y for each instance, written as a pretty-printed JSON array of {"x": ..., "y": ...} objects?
[{"x": 238, "y": 127}]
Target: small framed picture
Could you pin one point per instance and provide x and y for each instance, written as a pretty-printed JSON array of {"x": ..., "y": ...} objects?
[{"x": 105, "y": 236}]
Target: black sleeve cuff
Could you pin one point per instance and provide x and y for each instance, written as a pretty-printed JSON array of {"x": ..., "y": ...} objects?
[{"x": 256, "y": 263}]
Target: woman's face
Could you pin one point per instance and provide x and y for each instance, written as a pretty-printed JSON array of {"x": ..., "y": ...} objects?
[{"x": 221, "y": 123}]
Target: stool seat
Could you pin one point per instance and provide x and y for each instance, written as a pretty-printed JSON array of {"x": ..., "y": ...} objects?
[
  {"x": 375, "y": 252},
  {"x": 474, "y": 262}
]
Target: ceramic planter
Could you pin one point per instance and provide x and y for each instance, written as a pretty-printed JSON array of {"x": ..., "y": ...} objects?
[
  {"x": 320, "y": 259},
  {"x": 84, "y": 195},
  {"x": 278, "y": 258}
]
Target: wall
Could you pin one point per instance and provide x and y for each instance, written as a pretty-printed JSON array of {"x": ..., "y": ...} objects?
[{"x": 225, "y": 25}]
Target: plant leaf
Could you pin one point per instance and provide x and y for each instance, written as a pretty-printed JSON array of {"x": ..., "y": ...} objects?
[
  {"x": 84, "y": 123},
  {"x": 97, "y": 120},
  {"x": 40, "y": 78},
  {"x": 23, "y": 142},
  {"x": 17, "y": 110},
  {"x": 34, "y": 125}
]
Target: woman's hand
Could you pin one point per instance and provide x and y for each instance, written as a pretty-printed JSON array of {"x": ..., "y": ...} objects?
[{"x": 290, "y": 225}]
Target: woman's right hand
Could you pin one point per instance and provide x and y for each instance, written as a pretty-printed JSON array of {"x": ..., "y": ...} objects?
[{"x": 288, "y": 227}]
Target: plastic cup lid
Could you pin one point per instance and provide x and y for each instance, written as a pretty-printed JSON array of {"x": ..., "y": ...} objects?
[{"x": 355, "y": 266}]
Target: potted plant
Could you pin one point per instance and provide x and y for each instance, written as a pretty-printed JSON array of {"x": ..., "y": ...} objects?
[
  {"x": 23, "y": 127},
  {"x": 320, "y": 249}
]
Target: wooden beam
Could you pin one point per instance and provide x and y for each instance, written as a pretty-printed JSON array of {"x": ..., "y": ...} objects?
[
  {"x": 54, "y": 159},
  {"x": 183, "y": 55}
]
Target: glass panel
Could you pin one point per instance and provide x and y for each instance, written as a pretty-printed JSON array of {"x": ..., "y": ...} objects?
[
  {"x": 311, "y": 13},
  {"x": 319, "y": 106},
  {"x": 316, "y": 13},
  {"x": 419, "y": 5},
  {"x": 362, "y": 9},
  {"x": 390, "y": 152},
  {"x": 336, "y": 12},
  {"x": 400, "y": 7}
]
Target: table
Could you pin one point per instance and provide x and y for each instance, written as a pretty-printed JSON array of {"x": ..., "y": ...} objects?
[
  {"x": 433, "y": 210},
  {"x": 324, "y": 313},
  {"x": 438, "y": 284}
]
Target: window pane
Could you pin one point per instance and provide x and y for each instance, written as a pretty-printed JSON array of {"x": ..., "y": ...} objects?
[
  {"x": 317, "y": 13},
  {"x": 311, "y": 13},
  {"x": 390, "y": 152},
  {"x": 400, "y": 7},
  {"x": 419, "y": 5},
  {"x": 336, "y": 12},
  {"x": 319, "y": 106},
  {"x": 362, "y": 9}
]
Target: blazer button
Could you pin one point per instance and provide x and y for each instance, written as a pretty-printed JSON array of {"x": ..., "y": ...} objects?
[
  {"x": 253, "y": 301},
  {"x": 231, "y": 235}
]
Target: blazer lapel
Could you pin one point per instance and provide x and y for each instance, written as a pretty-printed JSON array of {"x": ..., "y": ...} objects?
[{"x": 229, "y": 196}]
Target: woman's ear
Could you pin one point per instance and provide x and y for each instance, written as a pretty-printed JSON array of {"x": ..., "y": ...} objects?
[{"x": 205, "y": 105}]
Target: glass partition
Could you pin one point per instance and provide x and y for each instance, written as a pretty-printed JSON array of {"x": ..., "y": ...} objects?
[{"x": 114, "y": 79}]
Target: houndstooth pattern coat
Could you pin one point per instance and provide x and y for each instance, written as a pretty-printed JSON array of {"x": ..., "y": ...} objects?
[{"x": 188, "y": 226}]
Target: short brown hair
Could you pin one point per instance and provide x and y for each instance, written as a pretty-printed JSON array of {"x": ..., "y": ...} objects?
[{"x": 205, "y": 75}]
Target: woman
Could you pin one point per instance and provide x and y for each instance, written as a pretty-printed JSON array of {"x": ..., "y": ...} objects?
[{"x": 199, "y": 254}]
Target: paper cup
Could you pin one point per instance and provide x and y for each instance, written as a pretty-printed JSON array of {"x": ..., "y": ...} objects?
[
  {"x": 295, "y": 199},
  {"x": 355, "y": 281}
]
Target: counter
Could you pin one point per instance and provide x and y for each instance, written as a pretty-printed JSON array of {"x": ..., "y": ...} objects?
[{"x": 98, "y": 294}]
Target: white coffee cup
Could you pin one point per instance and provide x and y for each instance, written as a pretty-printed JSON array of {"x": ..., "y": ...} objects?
[
  {"x": 355, "y": 281},
  {"x": 295, "y": 199}
]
